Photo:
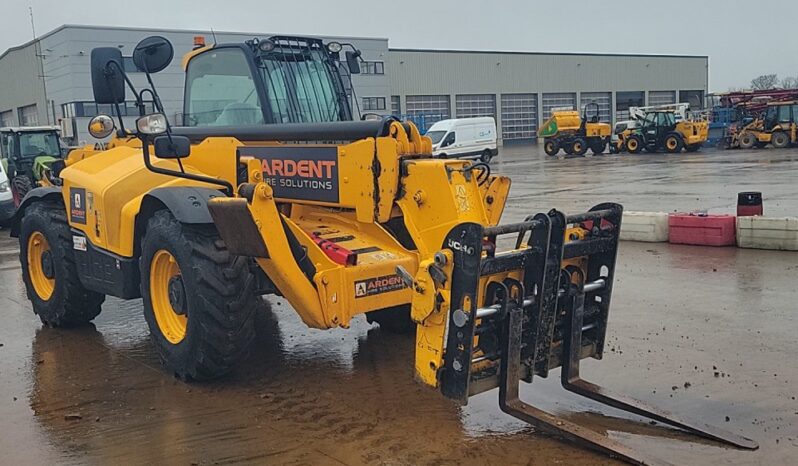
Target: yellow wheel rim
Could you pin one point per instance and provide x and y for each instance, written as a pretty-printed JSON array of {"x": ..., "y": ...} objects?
[
  {"x": 577, "y": 147},
  {"x": 671, "y": 143},
  {"x": 165, "y": 274},
  {"x": 43, "y": 280},
  {"x": 632, "y": 144}
]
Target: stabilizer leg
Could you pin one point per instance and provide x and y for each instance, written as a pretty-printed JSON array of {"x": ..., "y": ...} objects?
[{"x": 572, "y": 344}]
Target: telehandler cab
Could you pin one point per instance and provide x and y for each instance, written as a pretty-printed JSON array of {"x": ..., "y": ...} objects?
[
  {"x": 660, "y": 130},
  {"x": 272, "y": 188}
]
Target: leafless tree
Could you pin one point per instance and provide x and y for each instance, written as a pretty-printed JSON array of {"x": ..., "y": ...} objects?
[
  {"x": 764, "y": 82},
  {"x": 790, "y": 82}
]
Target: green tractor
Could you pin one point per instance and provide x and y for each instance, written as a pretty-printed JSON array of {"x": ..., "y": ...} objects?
[{"x": 28, "y": 154}]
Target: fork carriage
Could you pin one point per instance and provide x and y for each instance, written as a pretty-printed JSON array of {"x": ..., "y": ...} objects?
[{"x": 542, "y": 306}]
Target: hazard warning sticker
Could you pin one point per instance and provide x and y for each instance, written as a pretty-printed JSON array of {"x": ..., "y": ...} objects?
[{"x": 378, "y": 285}]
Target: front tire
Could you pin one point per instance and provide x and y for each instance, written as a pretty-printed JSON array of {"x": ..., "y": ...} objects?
[
  {"x": 634, "y": 144},
  {"x": 748, "y": 140},
  {"x": 486, "y": 156},
  {"x": 199, "y": 299},
  {"x": 49, "y": 269},
  {"x": 674, "y": 143},
  {"x": 20, "y": 186}
]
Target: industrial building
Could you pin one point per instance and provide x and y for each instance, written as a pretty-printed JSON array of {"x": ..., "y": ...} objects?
[{"x": 47, "y": 81}]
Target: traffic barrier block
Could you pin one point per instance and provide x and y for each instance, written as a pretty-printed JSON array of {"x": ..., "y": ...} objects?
[
  {"x": 768, "y": 233},
  {"x": 702, "y": 229},
  {"x": 647, "y": 227}
]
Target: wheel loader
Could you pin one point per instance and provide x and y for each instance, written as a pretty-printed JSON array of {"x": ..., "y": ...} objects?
[
  {"x": 776, "y": 127},
  {"x": 272, "y": 188},
  {"x": 573, "y": 133},
  {"x": 659, "y": 130}
]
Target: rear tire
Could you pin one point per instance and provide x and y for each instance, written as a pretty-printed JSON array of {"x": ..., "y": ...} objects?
[
  {"x": 486, "y": 156},
  {"x": 551, "y": 147},
  {"x": 579, "y": 146},
  {"x": 199, "y": 299},
  {"x": 674, "y": 143},
  {"x": 634, "y": 144},
  {"x": 780, "y": 140},
  {"x": 748, "y": 140},
  {"x": 393, "y": 319},
  {"x": 49, "y": 270},
  {"x": 598, "y": 147}
]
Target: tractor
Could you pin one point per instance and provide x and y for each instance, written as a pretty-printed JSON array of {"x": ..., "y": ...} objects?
[
  {"x": 661, "y": 130},
  {"x": 28, "y": 154},
  {"x": 272, "y": 188},
  {"x": 778, "y": 126},
  {"x": 575, "y": 133}
]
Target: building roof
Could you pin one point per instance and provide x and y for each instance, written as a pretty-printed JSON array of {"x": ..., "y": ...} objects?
[
  {"x": 155, "y": 30},
  {"x": 580, "y": 54},
  {"x": 201, "y": 31}
]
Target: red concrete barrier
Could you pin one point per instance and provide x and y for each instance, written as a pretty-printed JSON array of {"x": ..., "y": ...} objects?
[{"x": 702, "y": 229}]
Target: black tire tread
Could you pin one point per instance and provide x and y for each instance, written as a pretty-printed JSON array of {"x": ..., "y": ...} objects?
[
  {"x": 225, "y": 305},
  {"x": 78, "y": 305}
]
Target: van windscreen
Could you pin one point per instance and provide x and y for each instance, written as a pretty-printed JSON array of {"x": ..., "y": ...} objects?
[{"x": 436, "y": 136}]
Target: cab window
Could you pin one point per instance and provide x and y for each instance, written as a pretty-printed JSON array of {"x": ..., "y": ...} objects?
[
  {"x": 668, "y": 119},
  {"x": 650, "y": 119},
  {"x": 220, "y": 90},
  {"x": 784, "y": 113}
]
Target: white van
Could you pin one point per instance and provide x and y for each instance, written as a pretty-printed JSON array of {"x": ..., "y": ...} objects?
[
  {"x": 464, "y": 138},
  {"x": 7, "y": 207}
]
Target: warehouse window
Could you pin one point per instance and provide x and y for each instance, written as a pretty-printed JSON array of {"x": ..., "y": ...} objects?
[
  {"x": 661, "y": 98},
  {"x": 90, "y": 109},
  {"x": 604, "y": 102},
  {"x": 626, "y": 100},
  {"x": 373, "y": 103},
  {"x": 694, "y": 98},
  {"x": 519, "y": 116},
  {"x": 396, "y": 106},
  {"x": 475, "y": 105},
  {"x": 372, "y": 67},
  {"x": 6, "y": 118},
  {"x": 424, "y": 110},
  {"x": 28, "y": 115},
  {"x": 559, "y": 100}
]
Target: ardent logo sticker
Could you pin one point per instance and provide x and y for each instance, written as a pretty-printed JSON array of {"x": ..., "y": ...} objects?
[
  {"x": 378, "y": 285},
  {"x": 77, "y": 205},
  {"x": 305, "y": 173}
]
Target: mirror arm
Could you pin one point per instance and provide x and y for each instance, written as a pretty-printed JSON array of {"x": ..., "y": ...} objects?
[{"x": 145, "y": 149}]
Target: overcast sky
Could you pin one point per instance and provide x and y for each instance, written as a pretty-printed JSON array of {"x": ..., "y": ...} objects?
[{"x": 741, "y": 42}]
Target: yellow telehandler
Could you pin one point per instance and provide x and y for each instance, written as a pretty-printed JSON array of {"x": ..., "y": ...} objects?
[{"x": 271, "y": 187}]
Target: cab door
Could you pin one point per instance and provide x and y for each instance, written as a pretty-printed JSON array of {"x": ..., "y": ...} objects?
[{"x": 649, "y": 128}]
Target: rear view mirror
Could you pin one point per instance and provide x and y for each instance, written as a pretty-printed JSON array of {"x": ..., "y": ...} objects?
[
  {"x": 175, "y": 147},
  {"x": 352, "y": 61},
  {"x": 153, "y": 54},
  {"x": 107, "y": 78}
]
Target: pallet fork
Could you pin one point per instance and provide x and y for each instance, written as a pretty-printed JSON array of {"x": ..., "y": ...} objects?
[{"x": 555, "y": 315}]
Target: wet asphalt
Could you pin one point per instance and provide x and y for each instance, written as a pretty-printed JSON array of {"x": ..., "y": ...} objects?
[{"x": 707, "y": 332}]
